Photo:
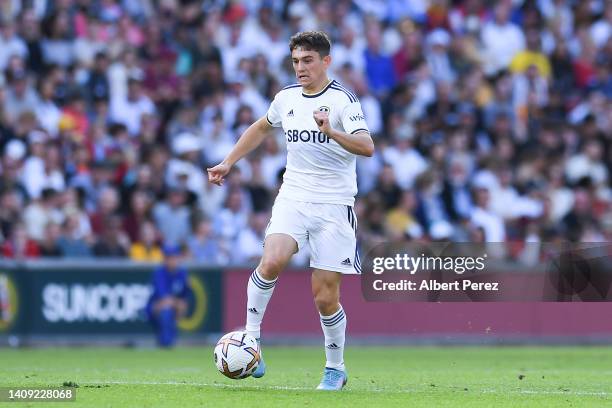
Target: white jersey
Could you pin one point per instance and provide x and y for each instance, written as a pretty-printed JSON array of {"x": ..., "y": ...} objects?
[{"x": 319, "y": 170}]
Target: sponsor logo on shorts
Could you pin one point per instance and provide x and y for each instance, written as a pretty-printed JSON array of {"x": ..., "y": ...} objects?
[{"x": 346, "y": 262}]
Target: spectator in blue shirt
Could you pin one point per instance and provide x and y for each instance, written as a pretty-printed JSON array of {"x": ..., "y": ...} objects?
[
  {"x": 170, "y": 297},
  {"x": 379, "y": 66}
]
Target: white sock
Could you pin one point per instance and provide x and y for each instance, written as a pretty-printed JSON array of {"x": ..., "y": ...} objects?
[
  {"x": 259, "y": 292},
  {"x": 334, "y": 328}
]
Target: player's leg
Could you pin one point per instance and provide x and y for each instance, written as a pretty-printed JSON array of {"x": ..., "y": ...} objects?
[
  {"x": 285, "y": 234},
  {"x": 164, "y": 322},
  {"x": 326, "y": 293},
  {"x": 278, "y": 250},
  {"x": 333, "y": 253}
]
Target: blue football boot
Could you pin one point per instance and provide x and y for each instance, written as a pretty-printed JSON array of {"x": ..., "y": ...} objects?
[
  {"x": 260, "y": 371},
  {"x": 333, "y": 380}
]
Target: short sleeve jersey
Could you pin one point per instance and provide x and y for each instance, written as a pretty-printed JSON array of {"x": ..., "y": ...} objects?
[{"x": 319, "y": 170}]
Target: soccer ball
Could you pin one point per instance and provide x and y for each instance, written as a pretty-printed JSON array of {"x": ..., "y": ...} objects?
[{"x": 237, "y": 355}]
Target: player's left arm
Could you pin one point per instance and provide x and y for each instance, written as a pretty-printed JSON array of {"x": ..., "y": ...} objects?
[{"x": 358, "y": 141}]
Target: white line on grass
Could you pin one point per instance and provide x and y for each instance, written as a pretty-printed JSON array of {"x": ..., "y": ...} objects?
[{"x": 407, "y": 391}]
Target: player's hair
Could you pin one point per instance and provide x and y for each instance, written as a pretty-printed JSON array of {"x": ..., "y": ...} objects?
[{"x": 312, "y": 41}]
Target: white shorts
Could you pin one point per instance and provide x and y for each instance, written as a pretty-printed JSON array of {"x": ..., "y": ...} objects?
[{"x": 329, "y": 230}]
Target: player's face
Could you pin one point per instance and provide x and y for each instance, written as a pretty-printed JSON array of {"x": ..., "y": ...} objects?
[
  {"x": 172, "y": 262},
  {"x": 310, "y": 68}
]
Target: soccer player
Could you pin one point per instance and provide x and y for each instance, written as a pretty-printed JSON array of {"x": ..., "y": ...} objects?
[{"x": 325, "y": 130}]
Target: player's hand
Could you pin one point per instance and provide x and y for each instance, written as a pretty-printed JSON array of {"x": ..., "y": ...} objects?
[
  {"x": 322, "y": 120},
  {"x": 217, "y": 173}
]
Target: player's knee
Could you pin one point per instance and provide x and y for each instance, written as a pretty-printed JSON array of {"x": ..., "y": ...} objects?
[
  {"x": 327, "y": 301},
  {"x": 270, "y": 268}
]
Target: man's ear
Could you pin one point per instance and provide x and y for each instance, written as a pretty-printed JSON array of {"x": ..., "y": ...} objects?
[{"x": 327, "y": 60}]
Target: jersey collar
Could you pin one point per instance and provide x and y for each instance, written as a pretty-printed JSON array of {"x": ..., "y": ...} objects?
[{"x": 321, "y": 92}]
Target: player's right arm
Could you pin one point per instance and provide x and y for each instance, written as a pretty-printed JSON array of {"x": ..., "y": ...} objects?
[{"x": 250, "y": 139}]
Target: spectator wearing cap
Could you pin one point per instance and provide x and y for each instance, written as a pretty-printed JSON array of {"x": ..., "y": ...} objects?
[
  {"x": 601, "y": 30},
  {"x": 182, "y": 170},
  {"x": 185, "y": 120},
  {"x": 170, "y": 297},
  {"x": 11, "y": 165},
  {"x": 300, "y": 17},
  {"x": 437, "y": 56},
  {"x": 15, "y": 152}
]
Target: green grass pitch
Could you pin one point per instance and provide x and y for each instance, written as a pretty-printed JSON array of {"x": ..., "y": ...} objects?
[{"x": 378, "y": 377}]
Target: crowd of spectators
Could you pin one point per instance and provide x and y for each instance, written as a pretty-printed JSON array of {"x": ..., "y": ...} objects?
[{"x": 492, "y": 121}]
